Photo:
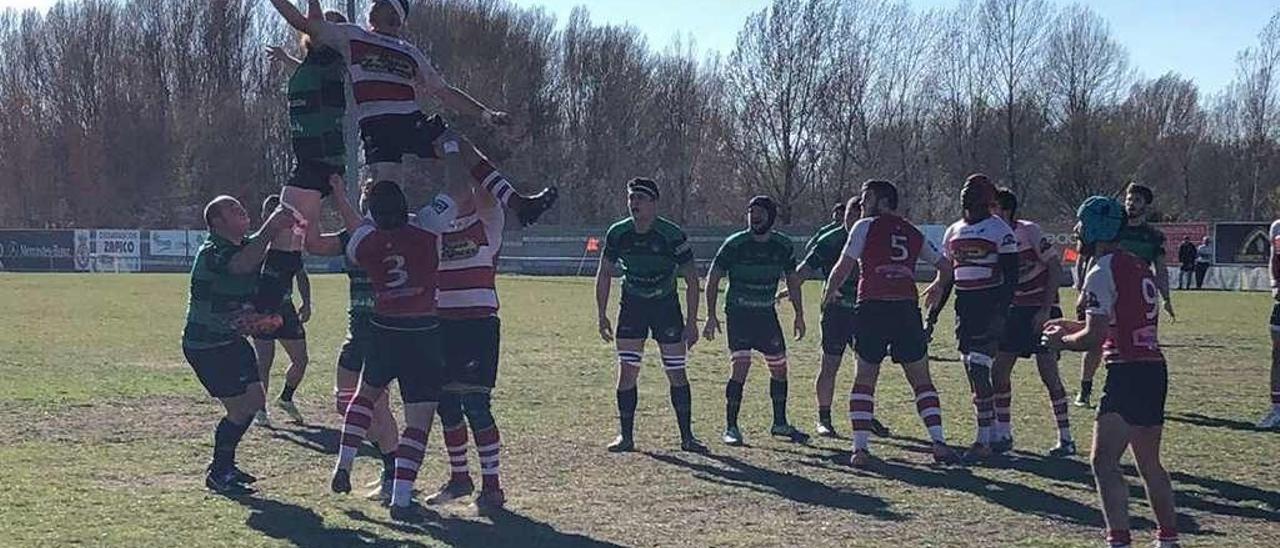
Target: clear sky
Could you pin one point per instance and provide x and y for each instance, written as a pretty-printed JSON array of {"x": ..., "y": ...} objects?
[{"x": 1197, "y": 38}]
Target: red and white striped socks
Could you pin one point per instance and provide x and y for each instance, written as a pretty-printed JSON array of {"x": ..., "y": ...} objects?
[
  {"x": 488, "y": 446},
  {"x": 1058, "y": 397},
  {"x": 862, "y": 403},
  {"x": 413, "y": 444},
  {"x": 985, "y": 413},
  {"x": 455, "y": 442},
  {"x": 930, "y": 409},
  {"x": 1003, "y": 401},
  {"x": 354, "y": 427}
]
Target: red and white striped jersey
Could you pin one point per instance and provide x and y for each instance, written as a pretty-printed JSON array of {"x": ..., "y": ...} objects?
[
  {"x": 385, "y": 70},
  {"x": 1122, "y": 287},
  {"x": 403, "y": 263},
  {"x": 468, "y": 265},
  {"x": 1033, "y": 265},
  {"x": 975, "y": 249},
  {"x": 887, "y": 248}
]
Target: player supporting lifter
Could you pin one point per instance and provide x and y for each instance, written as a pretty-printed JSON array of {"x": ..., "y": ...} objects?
[
  {"x": 888, "y": 247},
  {"x": 386, "y": 74},
  {"x": 223, "y": 281},
  {"x": 1272, "y": 419},
  {"x": 754, "y": 260},
  {"x": 1035, "y": 301},
  {"x": 1122, "y": 312},
  {"x": 984, "y": 255},
  {"x": 382, "y": 430},
  {"x": 648, "y": 251},
  {"x": 471, "y": 333},
  {"x": 291, "y": 334},
  {"x": 402, "y": 259}
]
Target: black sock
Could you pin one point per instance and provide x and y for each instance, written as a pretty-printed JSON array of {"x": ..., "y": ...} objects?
[
  {"x": 287, "y": 393},
  {"x": 824, "y": 414},
  {"x": 1086, "y": 388},
  {"x": 226, "y": 436},
  {"x": 627, "y": 411},
  {"x": 682, "y": 402},
  {"x": 388, "y": 465},
  {"x": 778, "y": 393},
  {"x": 732, "y": 403}
]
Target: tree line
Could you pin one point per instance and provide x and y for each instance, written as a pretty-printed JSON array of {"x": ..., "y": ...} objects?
[{"x": 132, "y": 113}]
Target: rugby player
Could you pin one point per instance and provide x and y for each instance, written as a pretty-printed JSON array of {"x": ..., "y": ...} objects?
[
  {"x": 1143, "y": 240},
  {"x": 291, "y": 334},
  {"x": 386, "y": 74},
  {"x": 887, "y": 247},
  {"x": 1122, "y": 312},
  {"x": 838, "y": 331},
  {"x": 402, "y": 261},
  {"x": 382, "y": 430},
  {"x": 754, "y": 260},
  {"x": 471, "y": 334},
  {"x": 984, "y": 255},
  {"x": 1035, "y": 301},
  {"x": 648, "y": 251},
  {"x": 223, "y": 282}
]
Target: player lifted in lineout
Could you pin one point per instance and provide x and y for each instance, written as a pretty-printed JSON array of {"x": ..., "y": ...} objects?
[{"x": 388, "y": 77}]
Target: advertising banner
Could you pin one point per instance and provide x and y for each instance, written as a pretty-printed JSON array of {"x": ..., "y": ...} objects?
[
  {"x": 84, "y": 250},
  {"x": 117, "y": 250},
  {"x": 36, "y": 250},
  {"x": 1175, "y": 232},
  {"x": 168, "y": 243},
  {"x": 1241, "y": 244}
]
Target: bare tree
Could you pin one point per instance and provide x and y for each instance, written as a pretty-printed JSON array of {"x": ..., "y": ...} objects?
[
  {"x": 773, "y": 83},
  {"x": 1085, "y": 70},
  {"x": 1014, "y": 32}
]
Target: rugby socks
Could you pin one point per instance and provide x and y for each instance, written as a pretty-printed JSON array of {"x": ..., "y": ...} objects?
[
  {"x": 732, "y": 403},
  {"x": 413, "y": 445},
  {"x": 984, "y": 411},
  {"x": 455, "y": 443},
  {"x": 287, "y": 393},
  {"x": 1275, "y": 400},
  {"x": 1058, "y": 398},
  {"x": 682, "y": 402},
  {"x": 493, "y": 181},
  {"x": 1002, "y": 403},
  {"x": 488, "y": 445},
  {"x": 1086, "y": 388},
  {"x": 388, "y": 465},
  {"x": 930, "y": 409},
  {"x": 226, "y": 437},
  {"x": 862, "y": 404},
  {"x": 354, "y": 427},
  {"x": 778, "y": 393},
  {"x": 488, "y": 442},
  {"x": 1167, "y": 535},
  {"x": 627, "y": 412}
]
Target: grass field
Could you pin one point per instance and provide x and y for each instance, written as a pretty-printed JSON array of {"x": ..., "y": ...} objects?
[{"x": 107, "y": 433}]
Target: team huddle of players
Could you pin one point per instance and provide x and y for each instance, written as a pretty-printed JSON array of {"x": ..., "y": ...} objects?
[{"x": 424, "y": 307}]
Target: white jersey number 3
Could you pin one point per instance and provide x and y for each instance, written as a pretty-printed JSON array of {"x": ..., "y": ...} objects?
[{"x": 399, "y": 276}]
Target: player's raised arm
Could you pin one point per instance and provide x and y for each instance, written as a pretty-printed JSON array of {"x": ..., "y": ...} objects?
[
  {"x": 293, "y": 16},
  {"x": 249, "y": 258}
]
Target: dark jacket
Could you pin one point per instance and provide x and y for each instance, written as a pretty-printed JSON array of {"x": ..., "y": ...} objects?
[{"x": 1187, "y": 254}]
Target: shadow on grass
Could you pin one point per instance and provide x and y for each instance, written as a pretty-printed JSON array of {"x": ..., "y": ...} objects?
[
  {"x": 318, "y": 438},
  {"x": 734, "y": 472},
  {"x": 1196, "y": 419},
  {"x": 304, "y": 527},
  {"x": 507, "y": 529}
]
